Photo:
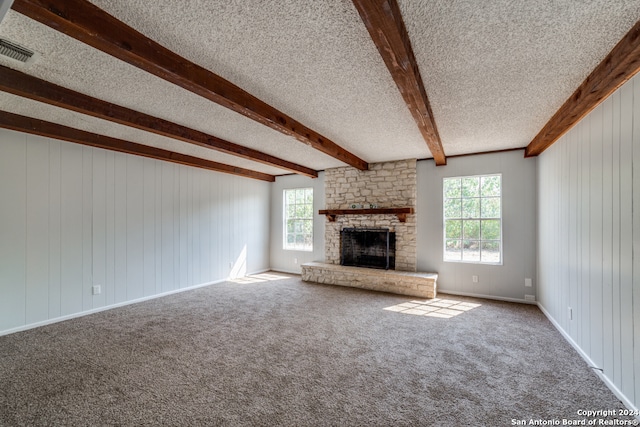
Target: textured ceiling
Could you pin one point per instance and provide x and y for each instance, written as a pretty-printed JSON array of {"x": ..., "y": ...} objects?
[{"x": 494, "y": 72}]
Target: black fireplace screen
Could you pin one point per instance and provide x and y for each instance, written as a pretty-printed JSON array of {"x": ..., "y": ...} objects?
[{"x": 368, "y": 247}]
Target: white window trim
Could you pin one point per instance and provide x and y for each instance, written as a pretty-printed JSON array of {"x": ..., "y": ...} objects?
[
  {"x": 284, "y": 220},
  {"x": 444, "y": 227}
]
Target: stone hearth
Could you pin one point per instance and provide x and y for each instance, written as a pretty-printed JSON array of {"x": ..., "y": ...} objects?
[{"x": 398, "y": 282}]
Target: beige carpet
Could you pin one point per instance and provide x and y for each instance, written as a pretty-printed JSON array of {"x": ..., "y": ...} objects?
[{"x": 282, "y": 352}]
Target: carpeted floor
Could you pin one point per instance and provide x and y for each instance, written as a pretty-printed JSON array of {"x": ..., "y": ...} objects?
[{"x": 287, "y": 353}]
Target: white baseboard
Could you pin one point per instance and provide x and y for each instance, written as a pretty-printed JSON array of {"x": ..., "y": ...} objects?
[
  {"x": 116, "y": 305},
  {"x": 590, "y": 362}
]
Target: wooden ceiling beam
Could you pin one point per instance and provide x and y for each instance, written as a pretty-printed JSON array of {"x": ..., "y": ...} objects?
[
  {"x": 622, "y": 63},
  {"x": 386, "y": 27},
  {"x": 26, "y": 86},
  {"x": 52, "y": 130},
  {"x": 86, "y": 22}
]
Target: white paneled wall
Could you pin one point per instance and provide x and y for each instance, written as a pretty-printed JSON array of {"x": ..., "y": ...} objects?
[
  {"x": 72, "y": 217},
  {"x": 588, "y": 232}
]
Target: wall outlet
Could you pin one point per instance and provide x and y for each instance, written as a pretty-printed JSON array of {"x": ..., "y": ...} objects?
[
  {"x": 527, "y": 282},
  {"x": 529, "y": 297},
  {"x": 295, "y": 260},
  {"x": 570, "y": 313},
  {"x": 95, "y": 290},
  {"x": 474, "y": 279},
  {"x": 231, "y": 265}
]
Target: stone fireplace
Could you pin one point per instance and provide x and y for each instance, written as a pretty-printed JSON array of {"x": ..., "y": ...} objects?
[
  {"x": 384, "y": 185},
  {"x": 383, "y": 197}
]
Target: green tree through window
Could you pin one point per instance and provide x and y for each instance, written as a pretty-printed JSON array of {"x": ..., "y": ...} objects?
[
  {"x": 473, "y": 219},
  {"x": 298, "y": 219}
]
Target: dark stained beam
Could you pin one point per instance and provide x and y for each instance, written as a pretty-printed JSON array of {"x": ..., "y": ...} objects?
[
  {"x": 53, "y": 130},
  {"x": 622, "y": 63},
  {"x": 86, "y": 22},
  {"x": 21, "y": 84},
  {"x": 386, "y": 27}
]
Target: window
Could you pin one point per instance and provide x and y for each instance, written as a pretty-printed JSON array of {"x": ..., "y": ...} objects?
[
  {"x": 298, "y": 219},
  {"x": 473, "y": 219}
]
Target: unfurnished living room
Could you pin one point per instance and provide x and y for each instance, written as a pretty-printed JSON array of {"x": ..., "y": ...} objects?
[{"x": 319, "y": 213}]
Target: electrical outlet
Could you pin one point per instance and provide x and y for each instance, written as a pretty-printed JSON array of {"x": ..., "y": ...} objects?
[
  {"x": 295, "y": 260},
  {"x": 530, "y": 297},
  {"x": 95, "y": 290},
  {"x": 570, "y": 313},
  {"x": 527, "y": 282},
  {"x": 474, "y": 279}
]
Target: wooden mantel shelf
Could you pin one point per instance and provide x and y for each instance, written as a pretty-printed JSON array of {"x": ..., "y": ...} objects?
[{"x": 401, "y": 213}]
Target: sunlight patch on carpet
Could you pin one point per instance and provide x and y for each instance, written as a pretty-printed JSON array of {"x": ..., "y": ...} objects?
[
  {"x": 436, "y": 307},
  {"x": 257, "y": 278}
]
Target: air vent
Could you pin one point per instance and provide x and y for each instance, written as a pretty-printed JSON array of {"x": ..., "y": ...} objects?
[{"x": 15, "y": 51}]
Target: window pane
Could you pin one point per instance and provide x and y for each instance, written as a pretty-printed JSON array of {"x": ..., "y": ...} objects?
[
  {"x": 490, "y": 186},
  {"x": 453, "y": 250},
  {"x": 453, "y": 229},
  {"x": 491, "y": 229},
  {"x": 290, "y": 196},
  {"x": 470, "y": 250},
  {"x": 452, "y": 208},
  {"x": 471, "y": 229},
  {"x": 470, "y": 208},
  {"x": 291, "y": 211},
  {"x": 452, "y": 187},
  {"x": 471, "y": 186},
  {"x": 298, "y": 217},
  {"x": 490, "y": 251},
  {"x": 491, "y": 207},
  {"x": 472, "y": 219}
]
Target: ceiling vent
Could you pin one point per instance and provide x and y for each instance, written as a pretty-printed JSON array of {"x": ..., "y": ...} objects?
[{"x": 15, "y": 51}]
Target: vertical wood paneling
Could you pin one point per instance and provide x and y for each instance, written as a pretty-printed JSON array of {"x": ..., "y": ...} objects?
[
  {"x": 87, "y": 228},
  {"x": 573, "y": 229},
  {"x": 149, "y": 227},
  {"x": 184, "y": 227},
  {"x": 585, "y": 261},
  {"x": 607, "y": 235},
  {"x": 54, "y": 210},
  {"x": 168, "y": 223},
  {"x": 158, "y": 234},
  {"x": 37, "y": 230},
  {"x": 595, "y": 238},
  {"x": 176, "y": 227},
  {"x": 626, "y": 243},
  {"x": 73, "y": 217},
  {"x": 636, "y": 235},
  {"x": 110, "y": 229},
  {"x": 615, "y": 239},
  {"x": 13, "y": 165},
  {"x": 602, "y": 156},
  {"x": 135, "y": 227},
  {"x": 205, "y": 227},
  {"x": 71, "y": 252},
  {"x": 99, "y": 233},
  {"x": 120, "y": 227}
]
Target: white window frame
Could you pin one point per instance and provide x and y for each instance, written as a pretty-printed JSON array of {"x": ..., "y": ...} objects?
[
  {"x": 299, "y": 222},
  {"x": 463, "y": 218}
]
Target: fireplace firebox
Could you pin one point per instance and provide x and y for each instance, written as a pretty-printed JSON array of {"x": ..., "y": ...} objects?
[{"x": 368, "y": 247}]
